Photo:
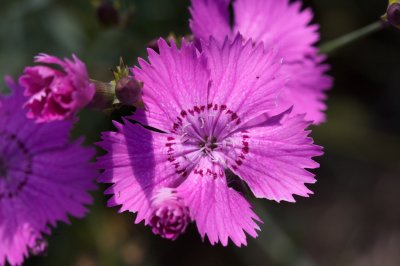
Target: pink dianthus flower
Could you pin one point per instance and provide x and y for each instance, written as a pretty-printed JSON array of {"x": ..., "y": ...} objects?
[{"x": 213, "y": 107}]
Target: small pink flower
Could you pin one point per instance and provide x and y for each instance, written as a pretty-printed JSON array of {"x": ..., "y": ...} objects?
[
  {"x": 56, "y": 93},
  {"x": 170, "y": 216}
]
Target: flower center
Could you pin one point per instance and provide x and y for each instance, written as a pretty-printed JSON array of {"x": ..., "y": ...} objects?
[
  {"x": 205, "y": 131},
  {"x": 208, "y": 144},
  {"x": 15, "y": 165}
]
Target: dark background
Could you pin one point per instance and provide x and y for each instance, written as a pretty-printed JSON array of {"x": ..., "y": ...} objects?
[{"x": 354, "y": 216}]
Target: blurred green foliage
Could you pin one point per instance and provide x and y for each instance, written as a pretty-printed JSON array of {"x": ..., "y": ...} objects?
[{"x": 353, "y": 218}]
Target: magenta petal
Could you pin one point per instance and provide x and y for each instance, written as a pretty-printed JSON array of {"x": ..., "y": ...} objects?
[
  {"x": 287, "y": 27},
  {"x": 219, "y": 211},
  {"x": 49, "y": 59},
  {"x": 306, "y": 89},
  {"x": 278, "y": 23},
  {"x": 272, "y": 157},
  {"x": 137, "y": 166},
  {"x": 173, "y": 80},
  {"x": 37, "y": 78},
  {"x": 246, "y": 78},
  {"x": 210, "y": 18}
]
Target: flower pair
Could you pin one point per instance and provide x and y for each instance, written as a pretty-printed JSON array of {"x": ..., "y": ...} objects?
[{"x": 238, "y": 99}]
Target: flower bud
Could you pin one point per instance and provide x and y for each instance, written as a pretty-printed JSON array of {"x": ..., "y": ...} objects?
[
  {"x": 128, "y": 91},
  {"x": 170, "y": 216},
  {"x": 393, "y": 14},
  {"x": 107, "y": 14}
]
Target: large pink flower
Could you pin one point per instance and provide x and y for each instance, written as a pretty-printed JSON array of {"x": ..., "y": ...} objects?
[
  {"x": 213, "y": 107},
  {"x": 277, "y": 23},
  {"x": 56, "y": 93}
]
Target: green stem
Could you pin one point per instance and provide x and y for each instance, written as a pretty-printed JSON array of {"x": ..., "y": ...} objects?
[{"x": 332, "y": 46}]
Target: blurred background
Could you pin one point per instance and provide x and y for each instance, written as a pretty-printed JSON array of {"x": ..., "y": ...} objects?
[{"x": 353, "y": 218}]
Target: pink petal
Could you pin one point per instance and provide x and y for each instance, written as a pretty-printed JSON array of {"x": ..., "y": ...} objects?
[
  {"x": 246, "y": 78},
  {"x": 37, "y": 138},
  {"x": 79, "y": 77},
  {"x": 219, "y": 211},
  {"x": 306, "y": 89},
  {"x": 174, "y": 80},
  {"x": 137, "y": 166},
  {"x": 285, "y": 26},
  {"x": 273, "y": 156},
  {"x": 37, "y": 78},
  {"x": 277, "y": 23},
  {"x": 49, "y": 59},
  {"x": 15, "y": 235},
  {"x": 210, "y": 18}
]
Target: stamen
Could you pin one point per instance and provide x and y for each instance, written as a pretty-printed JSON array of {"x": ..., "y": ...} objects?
[
  {"x": 214, "y": 159},
  {"x": 202, "y": 122},
  {"x": 201, "y": 131},
  {"x": 185, "y": 126},
  {"x": 226, "y": 144},
  {"x": 184, "y": 138}
]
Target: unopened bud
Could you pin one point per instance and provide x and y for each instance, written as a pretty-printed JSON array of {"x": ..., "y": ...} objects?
[
  {"x": 107, "y": 14},
  {"x": 393, "y": 14},
  {"x": 120, "y": 71},
  {"x": 128, "y": 91},
  {"x": 170, "y": 216}
]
